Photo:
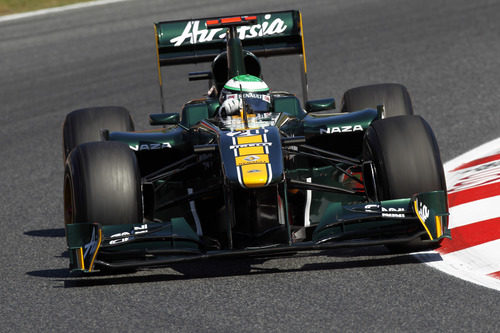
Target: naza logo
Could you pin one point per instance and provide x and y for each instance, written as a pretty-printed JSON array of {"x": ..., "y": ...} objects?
[
  {"x": 150, "y": 146},
  {"x": 341, "y": 129}
]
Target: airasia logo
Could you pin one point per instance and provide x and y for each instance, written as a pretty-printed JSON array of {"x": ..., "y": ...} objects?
[{"x": 193, "y": 34}]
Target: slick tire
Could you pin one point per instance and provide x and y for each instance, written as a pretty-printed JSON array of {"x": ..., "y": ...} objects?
[
  {"x": 393, "y": 96},
  {"x": 406, "y": 160},
  {"x": 102, "y": 184},
  {"x": 85, "y": 125}
]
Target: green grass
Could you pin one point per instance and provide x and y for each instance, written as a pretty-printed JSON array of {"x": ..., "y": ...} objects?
[{"x": 18, "y": 6}]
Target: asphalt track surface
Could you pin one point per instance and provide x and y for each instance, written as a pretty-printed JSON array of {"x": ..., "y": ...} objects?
[{"x": 445, "y": 52}]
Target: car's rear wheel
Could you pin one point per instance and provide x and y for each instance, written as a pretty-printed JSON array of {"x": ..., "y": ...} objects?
[
  {"x": 406, "y": 158},
  {"x": 102, "y": 184},
  {"x": 85, "y": 125},
  {"x": 393, "y": 96}
]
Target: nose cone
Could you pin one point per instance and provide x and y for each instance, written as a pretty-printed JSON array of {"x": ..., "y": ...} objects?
[
  {"x": 252, "y": 158},
  {"x": 255, "y": 175}
]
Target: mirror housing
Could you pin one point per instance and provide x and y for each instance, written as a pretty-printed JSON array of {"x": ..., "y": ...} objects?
[
  {"x": 164, "y": 118},
  {"x": 320, "y": 104}
]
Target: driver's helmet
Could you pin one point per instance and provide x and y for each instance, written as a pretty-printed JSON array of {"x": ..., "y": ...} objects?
[{"x": 247, "y": 89}]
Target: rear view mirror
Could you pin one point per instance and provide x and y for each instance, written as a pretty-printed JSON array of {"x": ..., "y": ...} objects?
[
  {"x": 164, "y": 118},
  {"x": 320, "y": 104}
]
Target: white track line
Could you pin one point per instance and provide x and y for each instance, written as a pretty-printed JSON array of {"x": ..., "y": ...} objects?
[
  {"x": 460, "y": 268},
  {"x": 487, "y": 149},
  {"x": 474, "y": 211},
  {"x": 480, "y": 259},
  {"x": 57, "y": 9}
]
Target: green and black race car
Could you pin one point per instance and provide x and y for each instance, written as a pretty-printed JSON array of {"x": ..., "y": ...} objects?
[{"x": 247, "y": 170}]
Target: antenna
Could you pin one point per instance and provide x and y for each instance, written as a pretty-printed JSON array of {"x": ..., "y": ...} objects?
[{"x": 245, "y": 118}]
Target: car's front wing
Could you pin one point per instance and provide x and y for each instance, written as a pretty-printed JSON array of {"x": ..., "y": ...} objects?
[{"x": 161, "y": 243}]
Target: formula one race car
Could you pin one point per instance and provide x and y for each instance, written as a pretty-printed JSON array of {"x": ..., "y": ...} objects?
[{"x": 247, "y": 170}]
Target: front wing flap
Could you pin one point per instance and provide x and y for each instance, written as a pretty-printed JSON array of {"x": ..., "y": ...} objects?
[
  {"x": 348, "y": 221},
  {"x": 118, "y": 242}
]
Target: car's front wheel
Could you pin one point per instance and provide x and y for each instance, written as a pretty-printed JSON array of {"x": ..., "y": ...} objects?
[
  {"x": 406, "y": 159},
  {"x": 102, "y": 184}
]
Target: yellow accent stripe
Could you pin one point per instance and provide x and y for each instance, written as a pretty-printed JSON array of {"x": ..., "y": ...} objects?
[
  {"x": 249, "y": 139},
  {"x": 252, "y": 159},
  {"x": 91, "y": 267},
  {"x": 303, "y": 47},
  {"x": 254, "y": 175},
  {"x": 439, "y": 231},
  {"x": 251, "y": 151},
  {"x": 421, "y": 220},
  {"x": 79, "y": 258},
  {"x": 158, "y": 54},
  {"x": 246, "y": 128}
]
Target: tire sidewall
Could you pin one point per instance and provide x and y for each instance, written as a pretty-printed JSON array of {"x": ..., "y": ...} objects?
[
  {"x": 103, "y": 181},
  {"x": 406, "y": 157}
]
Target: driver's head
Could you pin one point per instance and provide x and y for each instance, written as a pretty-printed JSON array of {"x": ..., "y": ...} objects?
[{"x": 248, "y": 89}]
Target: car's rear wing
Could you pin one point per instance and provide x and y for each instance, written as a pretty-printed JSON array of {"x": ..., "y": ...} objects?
[{"x": 190, "y": 41}]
